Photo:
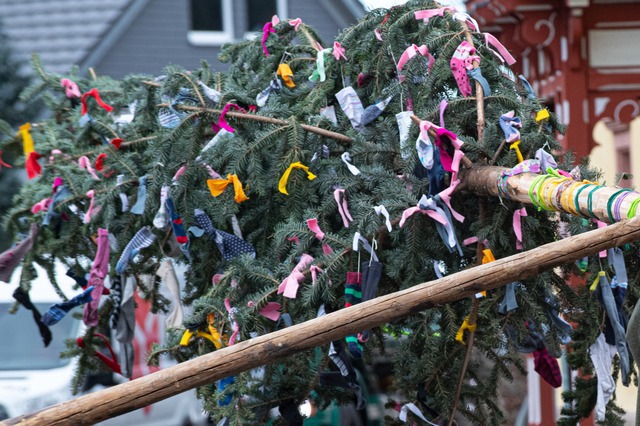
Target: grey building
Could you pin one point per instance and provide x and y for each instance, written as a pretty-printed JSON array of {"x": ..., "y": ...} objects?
[{"x": 120, "y": 37}]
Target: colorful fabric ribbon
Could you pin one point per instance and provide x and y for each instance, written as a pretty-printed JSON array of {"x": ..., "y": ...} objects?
[
  {"x": 427, "y": 14},
  {"x": 96, "y": 95},
  {"x": 2, "y": 163},
  {"x": 266, "y": 30},
  {"x": 235, "y": 328},
  {"x": 87, "y": 216},
  {"x": 382, "y": 210},
  {"x": 346, "y": 159},
  {"x": 295, "y": 23},
  {"x": 85, "y": 164},
  {"x": 315, "y": 228},
  {"x": 504, "y": 55},
  {"x": 289, "y": 286},
  {"x": 445, "y": 196},
  {"x": 141, "y": 200},
  {"x": 319, "y": 73},
  {"x": 109, "y": 362},
  {"x": 465, "y": 326},
  {"x": 27, "y": 140},
  {"x": 222, "y": 121},
  {"x": 71, "y": 89},
  {"x": 510, "y": 126},
  {"x": 338, "y": 51},
  {"x": 284, "y": 71},
  {"x": 217, "y": 187},
  {"x": 282, "y": 184},
  {"x": 343, "y": 208},
  {"x": 409, "y": 53},
  {"x": 517, "y": 226}
]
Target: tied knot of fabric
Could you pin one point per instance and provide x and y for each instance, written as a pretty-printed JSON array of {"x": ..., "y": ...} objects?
[
  {"x": 471, "y": 328},
  {"x": 94, "y": 93},
  {"x": 289, "y": 286},
  {"x": 338, "y": 51},
  {"x": 217, "y": 187},
  {"x": 295, "y": 23},
  {"x": 282, "y": 184},
  {"x": 71, "y": 89}
]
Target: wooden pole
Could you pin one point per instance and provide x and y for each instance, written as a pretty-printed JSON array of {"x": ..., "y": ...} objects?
[
  {"x": 276, "y": 346},
  {"x": 483, "y": 180}
]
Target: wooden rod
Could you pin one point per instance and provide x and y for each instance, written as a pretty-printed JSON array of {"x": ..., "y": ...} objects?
[{"x": 276, "y": 346}]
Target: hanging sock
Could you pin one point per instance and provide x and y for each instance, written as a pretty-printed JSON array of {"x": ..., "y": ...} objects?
[
  {"x": 168, "y": 118},
  {"x": 353, "y": 296},
  {"x": 23, "y": 298},
  {"x": 32, "y": 166},
  {"x": 85, "y": 164},
  {"x": 61, "y": 194},
  {"x": 57, "y": 311},
  {"x": 517, "y": 226},
  {"x": 602, "y": 361},
  {"x": 222, "y": 121},
  {"x": 143, "y": 239},
  {"x": 510, "y": 125},
  {"x": 371, "y": 274},
  {"x": 346, "y": 377},
  {"x": 404, "y": 126},
  {"x": 289, "y": 286},
  {"x": 547, "y": 367},
  {"x": 138, "y": 207},
  {"x": 329, "y": 112},
  {"x": 615, "y": 330},
  {"x": 427, "y": 14},
  {"x": 424, "y": 148},
  {"x": 91, "y": 194},
  {"x": 212, "y": 94},
  {"x": 282, "y": 184},
  {"x": 116, "y": 300},
  {"x": 178, "y": 228},
  {"x": 161, "y": 219},
  {"x": 217, "y": 187},
  {"x": 125, "y": 330},
  {"x": 123, "y": 197},
  {"x": 343, "y": 208},
  {"x": 266, "y": 30},
  {"x": 527, "y": 87},
  {"x": 509, "y": 302},
  {"x": 230, "y": 245},
  {"x": 373, "y": 111},
  {"x": 546, "y": 159},
  {"x": 443, "y": 199},
  {"x": 274, "y": 87},
  {"x": 10, "y": 258},
  {"x": 460, "y": 63},
  {"x": 319, "y": 73},
  {"x": 284, "y": 71},
  {"x": 98, "y": 273},
  {"x": 351, "y": 106},
  {"x": 167, "y": 274},
  {"x": 338, "y": 51}
]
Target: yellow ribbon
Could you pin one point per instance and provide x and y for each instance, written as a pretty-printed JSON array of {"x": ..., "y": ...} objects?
[
  {"x": 487, "y": 256},
  {"x": 217, "y": 340},
  {"x": 217, "y": 187},
  {"x": 542, "y": 115},
  {"x": 27, "y": 140},
  {"x": 597, "y": 280},
  {"x": 465, "y": 326},
  {"x": 284, "y": 71},
  {"x": 516, "y": 145},
  {"x": 186, "y": 336},
  {"x": 282, "y": 185}
]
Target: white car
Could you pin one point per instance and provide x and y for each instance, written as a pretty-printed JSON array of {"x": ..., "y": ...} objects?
[{"x": 33, "y": 376}]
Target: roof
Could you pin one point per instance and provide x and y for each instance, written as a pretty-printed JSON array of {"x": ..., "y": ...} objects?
[{"x": 65, "y": 33}]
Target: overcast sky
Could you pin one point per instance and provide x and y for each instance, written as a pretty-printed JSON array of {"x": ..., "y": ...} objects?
[{"x": 374, "y": 4}]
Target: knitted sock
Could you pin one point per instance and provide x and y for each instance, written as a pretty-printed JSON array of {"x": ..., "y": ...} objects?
[
  {"x": 633, "y": 340},
  {"x": 404, "y": 127},
  {"x": 230, "y": 246},
  {"x": 167, "y": 273},
  {"x": 161, "y": 219},
  {"x": 608, "y": 301},
  {"x": 23, "y": 298},
  {"x": 547, "y": 367},
  {"x": 123, "y": 197},
  {"x": 138, "y": 207},
  {"x": 61, "y": 194},
  {"x": 353, "y": 296},
  {"x": 97, "y": 275},
  {"x": 10, "y": 258},
  {"x": 601, "y": 358},
  {"x": 57, "y": 311},
  {"x": 143, "y": 238},
  {"x": 616, "y": 260},
  {"x": 126, "y": 326},
  {"x": 373, "y": 111},
  {"x": 178, "y": 228},
  {"x": 116, "y": 299}
]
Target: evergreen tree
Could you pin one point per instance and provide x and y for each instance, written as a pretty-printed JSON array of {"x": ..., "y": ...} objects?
[{"x": 219, "y": 146}]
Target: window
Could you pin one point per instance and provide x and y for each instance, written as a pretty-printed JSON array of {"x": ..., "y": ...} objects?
[
  {"x": 259, "y": 12},
  {"x": 211, "y": 22}
]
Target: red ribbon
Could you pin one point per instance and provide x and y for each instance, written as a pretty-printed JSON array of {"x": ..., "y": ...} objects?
[
  {"x": 33, "y": 167},
  {"x": 95, "y": 94},
  {"x": 2, "y": 163},
  {"x": 116, "y": 142},
  {"x": 100, "y": 161},
  {"x": 109, "y": 362}
]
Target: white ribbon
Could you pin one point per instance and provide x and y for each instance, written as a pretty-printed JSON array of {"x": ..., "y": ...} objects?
[
  {"x": 346, "y": 158},
  {"x": 382, "y": 210},
  {"x": 415, "y": 410}
]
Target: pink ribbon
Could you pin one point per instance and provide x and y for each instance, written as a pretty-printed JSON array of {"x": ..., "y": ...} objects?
[
  {"x": 222, "y": 122},
  {"x": 315, "y": 228},
  {"x": 427, "y": 14},
  {"x": 295, "y": 239},
  {"x": 343, "y": 207},
  {"x": 461, "y": 61},
  {"x": 601, "y": 224},
  {"x": 178, "y": 173},
  {"x": 504, "y": 54},
  {"x": 338, "y": 51},
  {"x": 409, "y": 53},
  {"x": 449, "y": 164},
  {"x": 271, "y": 311},
  {"x": 295, "y": 23},
  {"x": 289, "y": 287},
  {"x": 53, "y": 153},
  {"x": 57, "y": 182},
  {"x": 41, "y": 205},
  {"x": 517, "y": 226},
  {"x": 565, "y": 174},
  {"x": 377, "y": 34},
  {"x": 234, "y": 324},
  {"x": 443, "y": 106},
  {"x": 431, "y": 213},
  {"x": 445, "y": 196},
  {"x": 268, "y": 28},
  {"x": 70, "y": 88},
  {"x": 87, "y": 216},
  {"x": 85, "y": 163}
]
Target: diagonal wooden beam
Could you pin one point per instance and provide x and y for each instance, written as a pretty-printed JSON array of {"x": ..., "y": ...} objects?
[{"x": 276, "y": 346}]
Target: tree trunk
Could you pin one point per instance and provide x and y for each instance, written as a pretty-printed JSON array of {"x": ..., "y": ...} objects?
[{"x": 269, "y": 348}]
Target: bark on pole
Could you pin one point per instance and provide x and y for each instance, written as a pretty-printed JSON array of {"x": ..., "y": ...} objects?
[{"x": 276, "y": 346}]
